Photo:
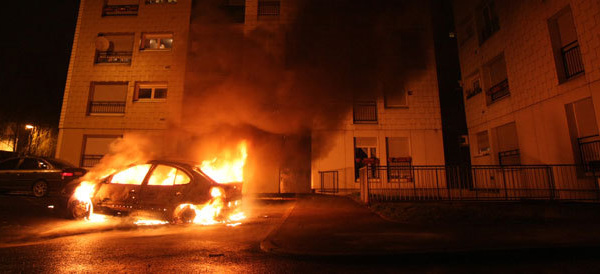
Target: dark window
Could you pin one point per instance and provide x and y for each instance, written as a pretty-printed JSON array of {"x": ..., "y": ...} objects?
[
  {"x": 9, "y": 164},
  {"x": 487, "y": 21},
  {"x": 150, "y": 92},
  {"x": 30, "y": 164},
  {"x": 567, "y": 53},
  {"x": 268, "y": 8},
  {"x": 114, "y": 48}
]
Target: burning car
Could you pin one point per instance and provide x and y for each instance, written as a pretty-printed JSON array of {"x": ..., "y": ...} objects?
[{"x": 179, "y": 192}]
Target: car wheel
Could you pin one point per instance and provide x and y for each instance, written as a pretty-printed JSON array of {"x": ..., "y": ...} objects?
[
  {"x": 78, "y": 209},
  {"x": 185, "y": 215},
  {"x": 40, "y": 188}
]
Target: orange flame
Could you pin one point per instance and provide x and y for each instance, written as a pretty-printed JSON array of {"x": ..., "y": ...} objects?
[{"x": 229, "y": 167}]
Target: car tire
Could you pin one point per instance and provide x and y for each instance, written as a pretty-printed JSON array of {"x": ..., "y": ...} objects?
[
  {"x": 78, "y": 210},
  {"x": 40, "y": 189},
  {"x": 185, "y": 215}
]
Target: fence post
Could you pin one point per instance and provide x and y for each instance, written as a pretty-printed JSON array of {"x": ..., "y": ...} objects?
[{"x": 504, "y": 180}]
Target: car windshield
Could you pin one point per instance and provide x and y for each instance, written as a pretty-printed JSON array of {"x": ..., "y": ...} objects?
[{"x": 58, "y": 163}]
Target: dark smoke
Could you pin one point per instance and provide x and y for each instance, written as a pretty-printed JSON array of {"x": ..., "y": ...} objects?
[{"x": 275, "y": 83}]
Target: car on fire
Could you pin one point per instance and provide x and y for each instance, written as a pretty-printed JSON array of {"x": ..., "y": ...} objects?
[
  {"x": 38, "y": 175},
  {"x": 157, "y": 186}
]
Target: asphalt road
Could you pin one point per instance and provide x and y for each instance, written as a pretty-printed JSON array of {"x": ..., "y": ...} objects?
[{"x": 34, "y": 239}]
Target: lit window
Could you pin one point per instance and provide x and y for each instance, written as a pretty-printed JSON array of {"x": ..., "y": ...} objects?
[
  {"x": 150, "y": 92},
  {"x": 157, "y": 41}
]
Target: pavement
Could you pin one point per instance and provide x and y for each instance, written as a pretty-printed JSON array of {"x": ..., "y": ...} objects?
[{"x": 319, "y": 225}]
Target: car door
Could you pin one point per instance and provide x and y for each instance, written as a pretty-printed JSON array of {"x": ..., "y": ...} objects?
[
  {"x": 121, "y": 190},
  {"x": 164, "y": 186},
  {"x": 8, "y": 173},
  {"x": 29, "y": 171}
]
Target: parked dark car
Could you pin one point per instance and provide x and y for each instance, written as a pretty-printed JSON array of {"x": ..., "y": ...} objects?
[
  {"x": 157, "y": 186},
  {"x": 41, "y": 176}
]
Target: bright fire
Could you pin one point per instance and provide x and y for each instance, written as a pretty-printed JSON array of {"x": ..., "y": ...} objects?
[{"x": 229, "y": 167}]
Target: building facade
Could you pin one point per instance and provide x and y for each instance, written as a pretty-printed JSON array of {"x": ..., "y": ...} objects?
[
  {"x": 128, "y": 70},
  {"x": 531, "y": 80}
]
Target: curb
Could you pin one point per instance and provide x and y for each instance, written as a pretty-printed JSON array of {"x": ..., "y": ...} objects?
[{"x": 267, "y": 245}]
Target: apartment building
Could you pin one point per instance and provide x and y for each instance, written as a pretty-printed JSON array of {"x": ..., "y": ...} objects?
[
  {"x": 128, "y": 70},
  {"x": 531, "y": 80},
  {"x": 126, "y": 74}
]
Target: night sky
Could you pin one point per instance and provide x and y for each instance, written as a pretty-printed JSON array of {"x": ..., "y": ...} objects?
[{"x": 36, "y": 46}]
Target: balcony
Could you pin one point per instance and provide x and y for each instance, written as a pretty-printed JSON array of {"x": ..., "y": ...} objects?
[
  {"x": 509, "y": 157},
  {"x": 365, "y": 112},
  {"x": 113, "y": 57},
  {"x": 120, "y": 10},
  {"x": 499, "y": 91},
  {"x": 589, "y": 150},
  {"x": 105, "y": 107},
  {"x": 571, "y": 55},
  {"x": 268, "y": 8}
]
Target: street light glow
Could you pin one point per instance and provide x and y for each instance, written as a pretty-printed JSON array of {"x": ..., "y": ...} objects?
[{"x": 29, "y": 127}]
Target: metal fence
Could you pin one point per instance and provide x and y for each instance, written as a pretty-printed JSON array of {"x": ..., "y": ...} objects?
[
  {"x": 499, "y": 90},
  {"x": 106, "y": 107},
  {"x": 504, "y": 182},
  {"x": 329, "y": 181},
  {"x": 88, "y": 160},
  {"x": 573, "y": 63}
]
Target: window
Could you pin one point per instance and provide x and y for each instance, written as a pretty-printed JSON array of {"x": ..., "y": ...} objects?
[
  {"x": 498, "y": 79},
  {"x": 132, "y": 176},
  {"x": 565, "y": 45},
  {"x": 95, "y": 147},
  {"x": 583, "y": 128},
  {"x": 107, "y": 98},
  {"x": 395, "y": 96},
  {"x": 487, "y": 21},
  {"x": 9, "y": 164},
  {"x": 114, "y": 48},
  {"x": 483, "y": 143},
  {"x": 398, "y": 159},
  {"x": 168, "y": 176},
  {"x": 150, "y": 92},
  {"x": 365, "y": 153},
  {"x": 365, "y": 112},
  {"x": 157, "y": 41},
  {"x": 466, "y": 30},
  {"x": 120, "y": 8},
  {"x": 32, "y": 164},
  {"x": 235, "y": 10},
  {"x": 508, "y": 144},
  {"x": 268, "y": 8},
  {"x": 472, "y": 85}
]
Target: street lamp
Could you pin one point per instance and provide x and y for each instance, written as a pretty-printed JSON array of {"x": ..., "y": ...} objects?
[{"x": 29, "y": 127}]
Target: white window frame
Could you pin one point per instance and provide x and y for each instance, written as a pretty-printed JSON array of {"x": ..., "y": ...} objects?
[{"x": 153, "y": 87}]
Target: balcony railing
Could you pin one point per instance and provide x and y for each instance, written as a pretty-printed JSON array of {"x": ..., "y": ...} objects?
[
  {"x": 268, "y": 8},
  {"x": 589, "y": 150},
  {"x": 88, "y": 160},
  {"x": 571, "y": 55},
  {"x": 499, "y": 91},
  {"x": 509, "y": 157},
  {"x": 365, "y": 112},
  {"x": 106, "y": 107},
  {"x": 120, "y": 10},
  {"x": 115, "y": 57}
]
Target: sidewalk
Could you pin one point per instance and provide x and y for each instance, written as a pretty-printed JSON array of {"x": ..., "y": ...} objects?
[{"x": 328, "y": 225}]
